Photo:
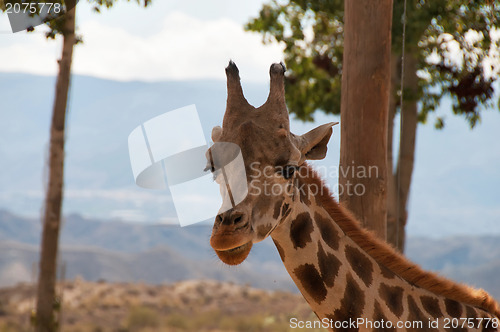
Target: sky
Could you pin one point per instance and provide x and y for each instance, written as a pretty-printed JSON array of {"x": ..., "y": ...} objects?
[{"x": 169, "y": 40}]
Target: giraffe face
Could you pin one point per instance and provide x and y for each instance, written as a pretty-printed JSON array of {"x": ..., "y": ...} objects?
[{"x": 271, "y": 155}]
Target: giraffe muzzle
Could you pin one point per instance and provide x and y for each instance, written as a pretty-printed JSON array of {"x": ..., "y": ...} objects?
[{"x": 236, "y": 255}]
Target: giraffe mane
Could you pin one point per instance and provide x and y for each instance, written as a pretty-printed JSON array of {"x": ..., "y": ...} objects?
[{"x": 387, "y": 256}]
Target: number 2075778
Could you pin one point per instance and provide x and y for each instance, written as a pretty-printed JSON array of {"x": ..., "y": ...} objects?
[{"x": 33, "y": 7}]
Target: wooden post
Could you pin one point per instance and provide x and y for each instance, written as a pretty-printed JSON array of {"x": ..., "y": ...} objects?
[{"x": 366, "y": 78}]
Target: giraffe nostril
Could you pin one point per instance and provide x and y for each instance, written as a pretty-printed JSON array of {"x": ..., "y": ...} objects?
[{"x": 230, "y": 219}]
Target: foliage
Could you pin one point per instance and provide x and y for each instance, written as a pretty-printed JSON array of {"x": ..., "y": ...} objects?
[
  {"x": 461, "y": 47},
  {"x": 312, "y": 34},
  {"x": 456, "y": 44}
]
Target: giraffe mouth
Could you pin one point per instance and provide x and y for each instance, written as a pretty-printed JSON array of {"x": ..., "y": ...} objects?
[{"x": 234, "y": 256}]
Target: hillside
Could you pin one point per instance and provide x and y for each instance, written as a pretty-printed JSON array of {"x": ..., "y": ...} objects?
[
  {"x": 130, "y": 252},
  {"x": 125, "y": 252},
  {"x": 183, "y": 306}
]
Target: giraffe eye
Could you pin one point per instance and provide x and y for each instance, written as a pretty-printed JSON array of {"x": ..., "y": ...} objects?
[{"x": 288, "y": 171}]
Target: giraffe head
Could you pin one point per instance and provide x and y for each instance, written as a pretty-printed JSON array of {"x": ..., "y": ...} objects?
[{"x": 271, "y": 155}]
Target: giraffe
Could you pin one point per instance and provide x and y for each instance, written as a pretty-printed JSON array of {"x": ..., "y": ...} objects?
[{"x": 352, "y": 280}]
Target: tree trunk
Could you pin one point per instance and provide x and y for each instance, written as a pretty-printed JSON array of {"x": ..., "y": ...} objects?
[
  {"x": 392, "y": 206},
  {"x": 399, "y": 180},
  {"x": 364, "y": 111},
  {"x": 406, "y": 158},
  {"x": 46, "y": 298}
]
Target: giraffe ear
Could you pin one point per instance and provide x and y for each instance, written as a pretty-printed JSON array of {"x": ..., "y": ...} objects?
[{"x": 312, "y": 144}]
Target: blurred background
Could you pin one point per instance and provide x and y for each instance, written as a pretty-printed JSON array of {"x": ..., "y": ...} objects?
[{"x": 136, "y": 63}]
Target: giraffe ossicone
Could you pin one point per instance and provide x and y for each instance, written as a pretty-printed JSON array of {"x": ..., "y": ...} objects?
[{"x": 343, "y": 271}]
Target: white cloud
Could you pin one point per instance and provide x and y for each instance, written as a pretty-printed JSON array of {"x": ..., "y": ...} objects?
[
  {"x": 184, "y": 48},
  {"x": 29, "y": 52}
]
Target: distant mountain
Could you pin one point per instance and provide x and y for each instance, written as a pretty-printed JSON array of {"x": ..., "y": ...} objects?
[
  {"x": 454, "y": 189},
  {"x": 154, "y": 266},
  {"x": 119, "y": 251},
  {"x": 474, "y": 260}
]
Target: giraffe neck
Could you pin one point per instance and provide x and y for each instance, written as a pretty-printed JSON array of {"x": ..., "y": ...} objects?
[{"x": 343, "y": 282}]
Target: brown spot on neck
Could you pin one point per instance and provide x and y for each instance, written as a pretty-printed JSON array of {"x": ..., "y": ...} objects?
[
  {"x": 393, "y": 297},
  {"x": 328, "y": 232},
  {"x": 417, "y": 317},
  {"x": 352, "y": 304},
  {"x": 453, "y": 308},
  {"x": 386, "y": 273},
  {"x": 360, "y": 264},
  {"x": 471, "y": 312},
  {"x": 311, "y": 281},
  {"x": 329, "y": 266},
  {"x": 378, "y": 316},
  {"x": 431, "y": 305},
  {"x": 300, "y": 230}
]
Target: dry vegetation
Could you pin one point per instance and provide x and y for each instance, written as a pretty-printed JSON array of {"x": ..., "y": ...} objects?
[{"x": 183, "y": 306}]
